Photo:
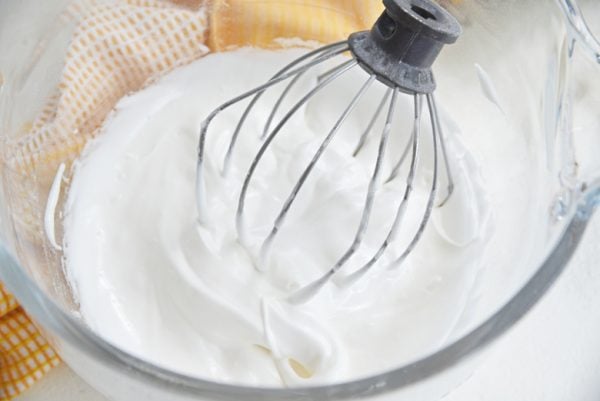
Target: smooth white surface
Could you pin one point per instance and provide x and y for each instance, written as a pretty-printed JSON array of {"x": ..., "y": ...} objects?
[{"x": 553, "y": 354}]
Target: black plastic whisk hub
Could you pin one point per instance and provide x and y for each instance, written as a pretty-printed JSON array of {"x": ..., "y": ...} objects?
[{"x": 404, "y": 42}]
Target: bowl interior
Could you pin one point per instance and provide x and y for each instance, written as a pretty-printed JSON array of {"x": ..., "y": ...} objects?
[{"x": 506, "y": 86}]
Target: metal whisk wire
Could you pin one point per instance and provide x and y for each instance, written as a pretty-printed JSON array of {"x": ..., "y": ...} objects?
[
  {"x": 398, "y": 52},
  {"x": 391, "y": 236},
  {"x": 285, "y": 73},
  {"x": 309, "y": 290},
  {"x": 266, "y": 246},
  {"x": 240, "y": 223},
  {"x": 318, "y": 56}
]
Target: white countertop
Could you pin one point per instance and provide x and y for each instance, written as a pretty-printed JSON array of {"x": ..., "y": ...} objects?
[{"x": 553, "y": 354}]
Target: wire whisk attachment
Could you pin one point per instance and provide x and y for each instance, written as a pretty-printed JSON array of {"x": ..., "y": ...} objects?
[{"x": 398, "y": 51}]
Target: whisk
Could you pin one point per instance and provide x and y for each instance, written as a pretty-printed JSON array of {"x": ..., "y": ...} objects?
[{"x": 398, "y": 51}]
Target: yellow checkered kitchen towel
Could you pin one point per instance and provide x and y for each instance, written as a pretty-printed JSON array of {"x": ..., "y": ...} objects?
[
  {"x": 118, "y": 46},
  {"x": 24, "y": 354}
]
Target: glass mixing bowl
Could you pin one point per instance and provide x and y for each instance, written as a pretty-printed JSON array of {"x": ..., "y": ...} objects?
[{"x": 544, "y": 63}]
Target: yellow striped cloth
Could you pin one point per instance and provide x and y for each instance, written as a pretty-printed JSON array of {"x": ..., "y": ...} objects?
[
  {"x": 116, "y": 49},
  {"x": 24, "y": 354},
  {"x": 260, "y": 23}
]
